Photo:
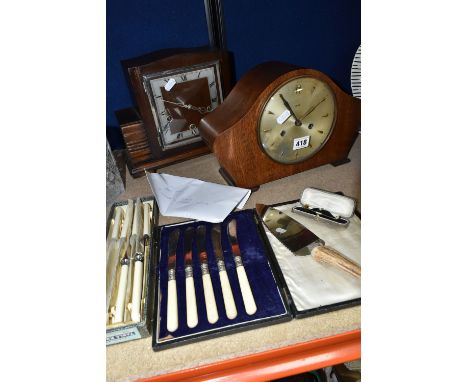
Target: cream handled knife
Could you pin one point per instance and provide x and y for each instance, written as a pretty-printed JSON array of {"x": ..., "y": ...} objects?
[
  {"x": 135, "y": 242},
  {"x": 120, "y": 303},
  {"x": 137, "y": 282},
  {"x": 228, "y": 298},
  {"x": 247, "y": 296},
  {"x": 192, "y": 313},
  {"x": 210, "y": 302},
  {"x": 172, "y": 312},
  {"x": 139, "y": 265}
]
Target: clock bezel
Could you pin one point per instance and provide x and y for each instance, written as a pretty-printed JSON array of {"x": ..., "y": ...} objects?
[
  {"x": 147, "y": 78},
  {"x": 271, "y": 94}
]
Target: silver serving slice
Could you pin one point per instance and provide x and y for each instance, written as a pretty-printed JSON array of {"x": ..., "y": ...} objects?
[
  {"x": 172, "y": 315},
  {"x": 301, "y": 241}
]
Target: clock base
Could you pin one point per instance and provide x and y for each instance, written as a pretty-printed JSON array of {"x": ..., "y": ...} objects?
[
  {"x": 340, "y": 162},
  {"x": 139, "y": 155},
  {"x": 231, "y": 181}
]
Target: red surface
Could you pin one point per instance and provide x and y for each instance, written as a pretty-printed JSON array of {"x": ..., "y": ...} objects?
[{"x": 276, "y": 363}]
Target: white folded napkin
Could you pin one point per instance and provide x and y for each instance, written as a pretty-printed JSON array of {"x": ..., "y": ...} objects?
[{"x": 194, "y": 198}]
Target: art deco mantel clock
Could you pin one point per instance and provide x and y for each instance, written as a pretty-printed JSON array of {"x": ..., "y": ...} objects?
[
  {"x": 173, "y": 90},
  {"x": 279, "y": 120}
]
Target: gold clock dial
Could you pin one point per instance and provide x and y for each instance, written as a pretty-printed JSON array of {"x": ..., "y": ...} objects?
[{"x": 297, "y": 120}]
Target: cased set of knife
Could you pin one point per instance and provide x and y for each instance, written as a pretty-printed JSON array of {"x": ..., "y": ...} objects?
[
  {"x": 213, "y": 277},
  {"x": 128, "y": 249}
]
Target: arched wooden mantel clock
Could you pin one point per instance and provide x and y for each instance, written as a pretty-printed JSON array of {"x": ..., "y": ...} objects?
[{"x": 278, "y": 120}]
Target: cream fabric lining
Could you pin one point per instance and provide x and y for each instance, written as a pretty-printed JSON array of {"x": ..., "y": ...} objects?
[{"x": 313, "y": 284}]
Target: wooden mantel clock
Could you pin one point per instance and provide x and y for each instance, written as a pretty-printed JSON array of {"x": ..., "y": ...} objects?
[
  {"x": 173, "y": 89},
  {"x": 278, "y": 120}
]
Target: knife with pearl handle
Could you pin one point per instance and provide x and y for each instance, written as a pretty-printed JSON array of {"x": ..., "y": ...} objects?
[
  {"x": 172, "y": 312},
  {"x": 247, "y": 296},
  {"x": 229, "y": 303},
  {"x": 210, "y": 302},
  {"x": 192, "y": 313}
]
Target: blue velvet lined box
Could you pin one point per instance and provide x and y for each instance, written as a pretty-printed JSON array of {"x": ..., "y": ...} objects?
[{"x": 265, "y": 284}]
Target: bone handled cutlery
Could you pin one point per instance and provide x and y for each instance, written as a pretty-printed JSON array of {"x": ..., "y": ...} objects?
[
  {"x": 139, "y": 265},
  {"x": 228, "y": 298},
  {"x": 114, "y": 229},
  {"x": 247, "y": 296},
  {"x": 210, "y": 302},
  {"x": 146, "y": 219},
  {"x": 120, "y": 302},
  {"x": 301, "y": 241},
  {"x": 114, "y": 254},
  {"x": 135, "y": 243},
  {"x": 192, "y": 313},
  {"x": 172, "y": 313},
  {"x": 137, "y": 281}
]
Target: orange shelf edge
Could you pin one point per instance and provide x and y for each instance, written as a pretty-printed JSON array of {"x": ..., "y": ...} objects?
[{"x": 275, "y": 363}]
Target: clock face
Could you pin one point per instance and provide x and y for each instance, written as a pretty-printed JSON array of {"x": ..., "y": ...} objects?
[
  {"x": 297, "y": 120},
  {"x": 179, "y": 99}
]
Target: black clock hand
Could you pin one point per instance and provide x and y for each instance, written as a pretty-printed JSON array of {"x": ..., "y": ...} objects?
[{"x": 286, "y": 103}]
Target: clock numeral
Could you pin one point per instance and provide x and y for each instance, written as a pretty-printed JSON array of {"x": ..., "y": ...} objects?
[
  {"x": 166, "y": 128},
  {"x": 163, "y": 112},
  {"x": 325, "y": 116},
  {"x": 166, "y": 80},
  {"x": 212, "y": 84},
  {"x": 214, "y": 99},
  {"x": 270, "y": 112},
  {"x": 158, "y": 97},
  {"x": 199, "y": 74},
  {"x": 183, "y": 77},
  {"x": 180, "y": 135}
]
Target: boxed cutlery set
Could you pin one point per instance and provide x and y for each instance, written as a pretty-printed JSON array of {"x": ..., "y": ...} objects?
[
  {"x": 256, "y": 268},
  {"x": 128, "y": 275}
]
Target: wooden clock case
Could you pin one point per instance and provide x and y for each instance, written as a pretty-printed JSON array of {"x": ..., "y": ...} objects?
[
  {"x": 137, "y": 124},
  {"x": 231, "y": 130}
]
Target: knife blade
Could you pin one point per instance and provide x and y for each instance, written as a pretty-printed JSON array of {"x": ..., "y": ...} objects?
[
  {"x": 246, "y": 290},
  {"x": 228, "y": 298},
  {"x": 135, "y": 242},
  {"x": 210, "y": 302},
  {"x": 192, "y": 314},
  {"x": 301, "y": 241},
  {"x": 172, "y": 313}
]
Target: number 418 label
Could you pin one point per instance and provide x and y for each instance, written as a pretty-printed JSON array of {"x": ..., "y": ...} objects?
[{"x": 300, "y": 143}]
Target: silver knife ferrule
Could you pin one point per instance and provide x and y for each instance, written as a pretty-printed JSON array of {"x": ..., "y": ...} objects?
[
  {"x": 188, "y": 271},
  {"x": 125, "y": 261},
  {"x": 238, "y": 261},
  {"x": 221, "y": 265},
  {"x": 171, "y": 274},
  {"x": 139, "y": 257},
  {"x": 204, "y": 268}
]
